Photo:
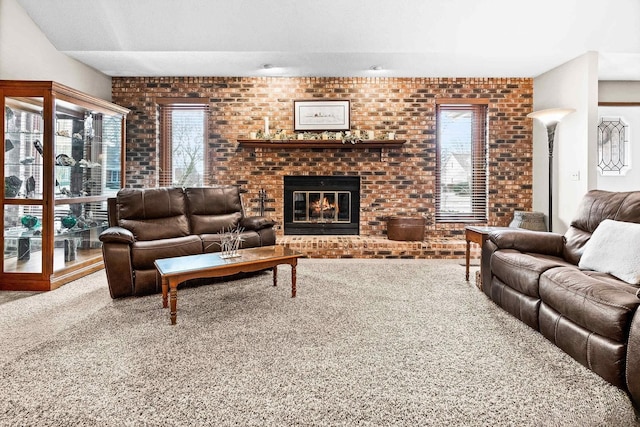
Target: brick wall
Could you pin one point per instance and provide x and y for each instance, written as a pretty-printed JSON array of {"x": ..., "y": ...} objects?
[{"x": 393, "y": 181}]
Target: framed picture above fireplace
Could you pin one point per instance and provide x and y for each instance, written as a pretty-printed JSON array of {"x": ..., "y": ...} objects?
[{"x": 321, "y": 115}]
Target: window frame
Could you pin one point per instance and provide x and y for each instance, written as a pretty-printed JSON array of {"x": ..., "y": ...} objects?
[
  {"x": 165, "y": 107},
  {"x": 479, "y": 157}
]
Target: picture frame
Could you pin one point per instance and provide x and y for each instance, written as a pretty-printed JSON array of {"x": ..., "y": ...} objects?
[{"x": 321, "y": 115}]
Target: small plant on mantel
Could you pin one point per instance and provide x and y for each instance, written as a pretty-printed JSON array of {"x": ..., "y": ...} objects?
[
  {"x": 280, "y": 135},
  {"x": 351, "y": 138}
]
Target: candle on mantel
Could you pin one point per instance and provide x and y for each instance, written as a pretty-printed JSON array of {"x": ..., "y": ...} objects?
[{"x": 266, "y": 125}]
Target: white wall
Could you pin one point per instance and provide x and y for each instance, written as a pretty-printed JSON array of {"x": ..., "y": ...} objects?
[
  {"x": 26, "y": 54},
  {"x": 571, "y": 85}
]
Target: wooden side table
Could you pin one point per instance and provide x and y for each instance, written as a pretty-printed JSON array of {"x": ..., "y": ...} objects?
[{"x": 476, "y": 235}]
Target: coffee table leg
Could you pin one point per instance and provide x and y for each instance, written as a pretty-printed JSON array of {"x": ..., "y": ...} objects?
[
  {"x": 165, "y": 293},
  {"x": 275, "y": 275},
  {"x": 468, "y": 260},
  {"x": 293, "y": 280},
  {"x": 173, "y": 301}
]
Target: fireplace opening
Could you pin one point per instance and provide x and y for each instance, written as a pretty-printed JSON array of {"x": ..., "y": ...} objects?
[{"x": 321, "y": 205}]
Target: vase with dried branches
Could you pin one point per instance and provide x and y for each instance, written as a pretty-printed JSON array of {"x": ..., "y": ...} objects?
[{"x": 230, "y": 242}]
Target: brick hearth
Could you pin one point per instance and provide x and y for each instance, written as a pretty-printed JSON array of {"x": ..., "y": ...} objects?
[{"x": 375, "y": 247}]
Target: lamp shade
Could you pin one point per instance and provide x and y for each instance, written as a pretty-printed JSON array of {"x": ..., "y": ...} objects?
[{"x": 551, "y": 115}]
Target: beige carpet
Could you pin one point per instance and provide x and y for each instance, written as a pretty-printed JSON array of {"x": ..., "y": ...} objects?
[{"x": 366, "y": 342}]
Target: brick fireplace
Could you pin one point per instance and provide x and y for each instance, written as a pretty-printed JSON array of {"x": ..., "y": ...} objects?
[{"x": 398, "y": 180}]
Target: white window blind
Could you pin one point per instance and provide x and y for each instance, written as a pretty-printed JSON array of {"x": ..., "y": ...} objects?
[{"x": 461, "y": 170}]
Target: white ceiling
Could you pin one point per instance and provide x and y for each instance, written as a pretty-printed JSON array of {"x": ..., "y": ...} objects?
[{"x": 341, "y": 38}]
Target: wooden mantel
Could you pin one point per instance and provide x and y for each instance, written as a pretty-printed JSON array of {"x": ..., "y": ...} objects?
[{"x": 320, "y": 143}]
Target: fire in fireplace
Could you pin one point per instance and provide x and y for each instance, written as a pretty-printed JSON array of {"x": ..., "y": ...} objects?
[{"x": 321, "y": 205}]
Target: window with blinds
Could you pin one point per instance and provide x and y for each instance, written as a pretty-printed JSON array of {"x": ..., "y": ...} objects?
[
  {"x": 461, "y": 163},
  {"x": 183, "y": 130}
]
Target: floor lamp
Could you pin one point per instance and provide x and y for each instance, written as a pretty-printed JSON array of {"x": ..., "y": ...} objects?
[{"x": 550, "y": 119}]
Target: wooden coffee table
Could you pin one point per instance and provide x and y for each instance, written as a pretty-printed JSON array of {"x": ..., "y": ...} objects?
[{"x": 174, "y": 271}]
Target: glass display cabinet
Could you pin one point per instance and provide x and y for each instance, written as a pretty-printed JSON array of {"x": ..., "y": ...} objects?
[{"x": 63, "y": 157}]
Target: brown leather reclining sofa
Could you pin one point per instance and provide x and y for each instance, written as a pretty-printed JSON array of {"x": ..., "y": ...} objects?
[
  {"x": 154, "y": 223},
  {"x": 591, "y": 315}
]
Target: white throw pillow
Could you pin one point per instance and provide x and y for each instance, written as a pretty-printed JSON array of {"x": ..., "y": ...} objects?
[{"x": 614, "y": 248}]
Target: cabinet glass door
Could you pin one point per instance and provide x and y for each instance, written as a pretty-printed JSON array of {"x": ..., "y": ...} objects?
[
  {"x": 87, "y": 152},
  {"x": 23, "y": 238},
  {"x": 23, "y": 148},
  {"x": 23, "y": 179},
  {"x": 87, "y": 169}
]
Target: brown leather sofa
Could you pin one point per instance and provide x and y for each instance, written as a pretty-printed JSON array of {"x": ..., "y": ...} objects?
[
  {"x": 592, "y": 316},
  {"x": 154, "y": 223}
]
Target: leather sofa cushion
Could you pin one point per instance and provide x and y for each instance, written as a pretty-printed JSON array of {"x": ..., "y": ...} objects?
[
  {"x": 575, "y": 241},
  {"x": 214, "y": 209},
  {"x": 147, "y": 282},
  {"x": 144, "y": 253},
  {"x": 205, "y": 224},
  {"x": 153, "y": 213},
  {"x": 596, "y": 301},
  {"x": 521, "y": 306},
  {"x": 158, "y": 228},
  {"x": 215, "y": 200},
  {"x": 598, "y": 205},
  {"x": 522, "y": 270},
  {"x": 604, "y": 356},
  {"x": 595, "y": 207}
]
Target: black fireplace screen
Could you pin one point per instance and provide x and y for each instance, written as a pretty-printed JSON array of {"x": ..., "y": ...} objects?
[
  {"x": 329, "y": 206},
  {"x": 321, "y": 205}
]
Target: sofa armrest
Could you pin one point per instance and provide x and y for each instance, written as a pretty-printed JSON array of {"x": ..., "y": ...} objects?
[
  {"x": 488, "y": 248},
  {"x": 116, "y": 252},
  {"x": 117, "y": 235},
  {"x": 632, "y": 373},
  {"x": 540, "y": 242},
  {"x": 256, "y": 223}
]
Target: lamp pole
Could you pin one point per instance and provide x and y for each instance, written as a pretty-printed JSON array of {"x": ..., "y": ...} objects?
[{"x": 551, "y": 133}]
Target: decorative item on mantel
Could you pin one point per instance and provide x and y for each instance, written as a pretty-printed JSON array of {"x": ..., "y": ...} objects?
[{"x": 352, "y": 137}]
